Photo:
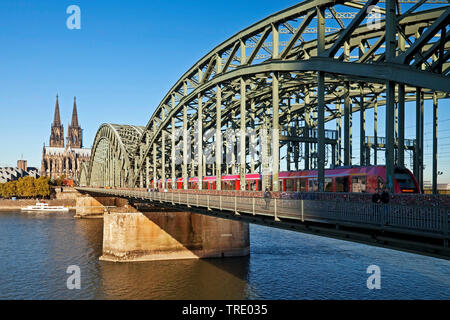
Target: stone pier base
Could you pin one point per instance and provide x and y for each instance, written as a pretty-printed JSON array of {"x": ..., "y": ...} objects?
[
  {"x": 146, "y": 236},
  {"x": 94, "y": 207}
]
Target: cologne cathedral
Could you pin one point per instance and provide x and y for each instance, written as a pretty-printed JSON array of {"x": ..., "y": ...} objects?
[{"x": 61, "y": 158}]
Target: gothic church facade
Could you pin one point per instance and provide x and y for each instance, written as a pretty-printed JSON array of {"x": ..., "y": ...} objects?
[{"x": 60, "y": 158}]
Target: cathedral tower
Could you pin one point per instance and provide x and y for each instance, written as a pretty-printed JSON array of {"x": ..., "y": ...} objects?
[
  {"x": 57, "y": 131},
  {"x": 74, "y": 135},
  {"x": 60, "y": 161}
]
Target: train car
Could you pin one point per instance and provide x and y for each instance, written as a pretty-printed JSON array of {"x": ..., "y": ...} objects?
[
  {"x": 229, "y": 182},
  {"x": 193, "y": 183},
  {"x": 179, "y": 183},
  {"x": 209, "y": 183},
  {"x": 349, "y": 179},
  {"x": 233, "y": 182},
  {"x": 368, "y": 179},
  {"x": 253, "y": 182},
  {"x": 405, "y": 182}
]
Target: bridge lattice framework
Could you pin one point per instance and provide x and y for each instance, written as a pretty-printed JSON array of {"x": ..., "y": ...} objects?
[{"x": 291, "y": 73}]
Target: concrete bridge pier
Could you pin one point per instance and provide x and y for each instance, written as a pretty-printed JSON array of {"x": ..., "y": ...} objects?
[
  {"x": 161, "y": 234},
  {"x": 88, "y": 206}
]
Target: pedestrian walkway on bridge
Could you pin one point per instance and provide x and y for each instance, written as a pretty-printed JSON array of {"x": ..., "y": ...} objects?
[{"x": 419, "y": 224}]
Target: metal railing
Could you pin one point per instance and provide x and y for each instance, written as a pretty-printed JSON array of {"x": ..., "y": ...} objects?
[
  {"x": 382, "y": 141},
  {"x": 419, "y": 220}
]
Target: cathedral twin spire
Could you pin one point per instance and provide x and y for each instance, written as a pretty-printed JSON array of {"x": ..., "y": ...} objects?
[
  {"x": 74, "y": 134},
  {"x": 74, "y": 113},
  {"x": 56, "y": 118}
]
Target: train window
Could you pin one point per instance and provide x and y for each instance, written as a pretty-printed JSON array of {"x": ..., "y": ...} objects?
[
  {"x": 289, "y": 185},
  {"x": 313, "y": 185},
  {"x": 255, "y": 185},
  {"x": 359, "y": 184},
  {"x": 328, "y": 185},
  {"x": 380, "y": 183},
  {"x": 301, "y": 184},
  {"x": 252, "y": 185},
  {"x": 405, "y": 182},
  {"x": 341, "y": 184}
]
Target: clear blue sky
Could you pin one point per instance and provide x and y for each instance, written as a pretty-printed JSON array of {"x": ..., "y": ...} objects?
[{"x": 120, "y": 64}]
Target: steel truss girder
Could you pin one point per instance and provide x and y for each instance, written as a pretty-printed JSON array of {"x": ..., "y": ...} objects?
[
  {"x": 297, "y": 63},
  {"x": 114, "y": 143},
  {"x": 379, "y": 73}
]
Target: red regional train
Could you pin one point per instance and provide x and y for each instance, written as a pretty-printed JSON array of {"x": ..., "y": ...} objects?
[{"x": 368, "y": 179}]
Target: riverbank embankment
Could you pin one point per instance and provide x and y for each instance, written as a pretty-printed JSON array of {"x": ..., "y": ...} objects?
[{"x": 65, "y": 196}]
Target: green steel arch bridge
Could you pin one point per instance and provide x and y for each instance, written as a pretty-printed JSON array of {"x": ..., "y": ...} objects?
[{"x": 294, "y": 80}]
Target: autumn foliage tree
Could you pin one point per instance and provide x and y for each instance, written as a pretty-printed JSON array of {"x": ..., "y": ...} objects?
[
  {"x": 43, "y": 187},
  {"x": 8, "y": 189},
  {"x": 26, "y": 187}
]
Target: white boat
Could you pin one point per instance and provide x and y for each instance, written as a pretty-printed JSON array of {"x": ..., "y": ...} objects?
[{"x": 42, "y": 206}]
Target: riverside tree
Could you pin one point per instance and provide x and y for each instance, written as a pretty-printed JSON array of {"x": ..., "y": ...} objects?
[{"x": 26, "y": 187}]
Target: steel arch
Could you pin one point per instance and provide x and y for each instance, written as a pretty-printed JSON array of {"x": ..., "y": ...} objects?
[
  {"x": 112, "y": 160},
  {"x": 83, "y": 181},
  {"x": 290, "y": 67}
]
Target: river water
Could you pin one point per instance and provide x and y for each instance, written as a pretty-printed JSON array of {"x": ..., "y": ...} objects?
[{"x": 36, "y": 249}]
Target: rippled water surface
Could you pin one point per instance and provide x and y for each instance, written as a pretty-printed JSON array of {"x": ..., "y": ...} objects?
[{"x": 36, "y": 249}]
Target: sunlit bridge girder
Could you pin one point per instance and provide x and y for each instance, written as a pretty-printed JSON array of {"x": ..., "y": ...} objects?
[
  {"x": 112, "y": 159},
  {"x": 300, "y": 69}
]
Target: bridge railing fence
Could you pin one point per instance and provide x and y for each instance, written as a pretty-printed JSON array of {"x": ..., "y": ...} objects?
[{"x": 432, "y": 219}]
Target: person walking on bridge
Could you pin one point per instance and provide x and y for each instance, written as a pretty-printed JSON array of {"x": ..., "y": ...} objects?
[{"x": 267, "y": 197}]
